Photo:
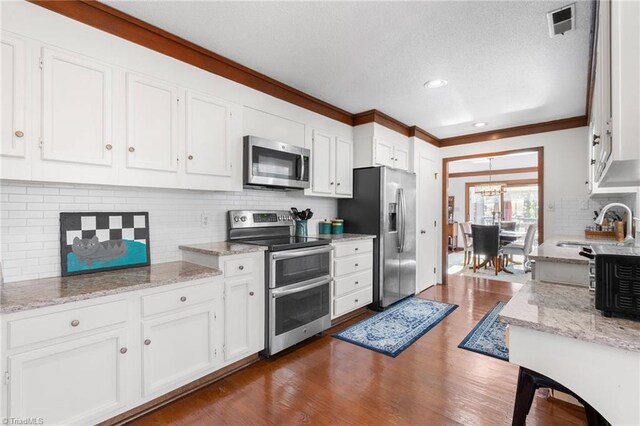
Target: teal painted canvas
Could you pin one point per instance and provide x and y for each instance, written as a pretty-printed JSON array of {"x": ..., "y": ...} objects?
[{"x": 93, "y": 242}]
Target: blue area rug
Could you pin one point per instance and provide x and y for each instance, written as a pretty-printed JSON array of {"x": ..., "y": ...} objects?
[
  {"x": 392, "y": 331},
  {"x": 487, "y": 337}
]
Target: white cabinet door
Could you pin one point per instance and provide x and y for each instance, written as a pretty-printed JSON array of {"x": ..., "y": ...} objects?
[
  {"x": 72, "y": 382},
  {"x": 241, "y": 309},
  {"x": 344, "y": 167},
  {"x": 427, "y": 235},
  {"x": 152, "y": 124},
  {"x": 13, "y": 97},
  {"x": 208, "y": 130},
  {"x": 384, "y": 153},
  {"x": 400, "y": 158},
  {"x": 176, "y": 347},
  {"x": 323, "y": 165},
  {"x": 76, "y": 109}
]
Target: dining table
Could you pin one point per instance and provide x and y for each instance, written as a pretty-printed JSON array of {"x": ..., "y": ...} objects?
[{"x": 506, "y": 237}]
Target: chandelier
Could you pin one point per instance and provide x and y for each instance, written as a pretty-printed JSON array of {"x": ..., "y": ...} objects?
[{"x": 490, "y": 189}]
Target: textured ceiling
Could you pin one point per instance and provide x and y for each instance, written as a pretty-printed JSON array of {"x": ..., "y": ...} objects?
[{"x": 501, "y": 64}]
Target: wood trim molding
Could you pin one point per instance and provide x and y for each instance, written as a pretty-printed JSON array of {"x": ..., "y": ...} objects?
[
  {"x": 494, "y": 172},
  {"x": 528, "y": 129},
  {"x": 445, "y": 193},
  {"x": 125, "y": 26},
  {"x": 112, "y": 21}
]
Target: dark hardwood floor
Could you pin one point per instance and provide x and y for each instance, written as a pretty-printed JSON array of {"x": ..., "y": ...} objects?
[{"x": 328, "y": 381}]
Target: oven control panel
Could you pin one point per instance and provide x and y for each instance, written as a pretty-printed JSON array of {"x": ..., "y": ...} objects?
[{"x": 259, "y": 218}]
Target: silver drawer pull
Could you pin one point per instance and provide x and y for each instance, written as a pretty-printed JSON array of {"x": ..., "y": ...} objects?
[
  {"x": 357, "y": 265},
  {"x": 109, "y": 147},
  {"x": 356, "y": 249},
  {"x": 75, "y": 323},
  {"x": 356, "y": 283},
  {"x": 356, "y": 301},
  {"x": 241, "y": 267},
  {"x": 131, "y": 149},
  {"x": 147, "y": 342},
  {"x": 183, "y": 299},
  {"x": 251, "y": 293},
  {"x": 123, "y": 350}
]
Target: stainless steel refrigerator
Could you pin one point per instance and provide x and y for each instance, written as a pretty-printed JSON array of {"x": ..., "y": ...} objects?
[{"x": 384, "y": 204}]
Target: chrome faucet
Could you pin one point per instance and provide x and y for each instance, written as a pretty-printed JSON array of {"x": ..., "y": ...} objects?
[{"x": 629, "y": 238}]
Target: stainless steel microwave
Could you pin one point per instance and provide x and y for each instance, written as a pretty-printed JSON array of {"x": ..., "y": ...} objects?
[{"x": 275, "y": 164}]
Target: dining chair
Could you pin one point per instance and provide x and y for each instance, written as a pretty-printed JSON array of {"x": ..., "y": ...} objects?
[
  {"x": 467, "y": 241},
  {"x": 486, "y": 242},
  {"x": 522, "y": 248}
]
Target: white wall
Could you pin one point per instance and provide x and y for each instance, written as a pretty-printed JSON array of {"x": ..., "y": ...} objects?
[{"x": 29, "y": 229}]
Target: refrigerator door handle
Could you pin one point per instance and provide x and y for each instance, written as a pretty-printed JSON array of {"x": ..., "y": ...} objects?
[{"x": 401, "y": 220}]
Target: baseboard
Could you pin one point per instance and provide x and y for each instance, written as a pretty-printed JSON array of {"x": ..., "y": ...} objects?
[{"x": 349, "y": 316}]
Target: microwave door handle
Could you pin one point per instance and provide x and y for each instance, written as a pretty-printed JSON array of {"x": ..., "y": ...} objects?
[{"x": 301, "y": 175}]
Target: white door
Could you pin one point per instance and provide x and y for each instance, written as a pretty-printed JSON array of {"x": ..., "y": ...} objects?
[
  {"x": 384, "y": 153},
  {"x": 176, "y": 347},
  {"x": 344, "y": 167},
  {"x": 401, "y": 158},
  {"x": 427, "y": 215},
  {"x": 152, "y": 124},
  {"x": 76, "y": 109},
  {"x": 74, "y": 382},
  {"x": 13, "y": 97},
  {"x": 208, "y": 135},
  {"x": 240, "y": 309},
  {"x": 322, "y": 168}
]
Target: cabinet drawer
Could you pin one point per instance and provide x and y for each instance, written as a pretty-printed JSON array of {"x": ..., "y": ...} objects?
[
  {"x": 178, "y": 298},
  {"x": 353, "y": 282},
  {"x": 351, "y": 264},
  {"x": 355, "y": 247},
  {"x": 65, "y": 323},
  {"x": 356, "y": 300},
  {"x": 236, "y": 267}
]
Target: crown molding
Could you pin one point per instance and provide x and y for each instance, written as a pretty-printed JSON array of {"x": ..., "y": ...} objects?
[{"x": 528, "y": 129}]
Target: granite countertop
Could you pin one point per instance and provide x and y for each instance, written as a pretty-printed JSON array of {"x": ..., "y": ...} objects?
[
  {"x": 345, "y": 237},
  {"x": 222, "y": 248},
  {"x": 32, "y": 294},
  {"x": 549, "y": 250},
  {"x": 569, "y": 311}
]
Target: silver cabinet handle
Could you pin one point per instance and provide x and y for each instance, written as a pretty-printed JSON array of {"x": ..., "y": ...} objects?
[
  {"x": 241, "y": 267},
  {"x": 331, "y": 183},
  {"x": 183, "y": 299},
  {"x": 131, "y": 149},
  {"x": 147, "y": 342},
  {"x": 19, "y": 133},
  {"x": 108, "y": 147},
  {"x": 356, "y": 283},
  {"x": 123, "y": 350},
  {"x": 356, "y": 301},
  {"x": 356, "y": 249},
  {"x": 190, "y": 157},
  {"x": 357, "y": 265},
  {"x": 75, "y": 323},
  {"x": 251, "y": 293},
  {"x": 338, "y": 184}
]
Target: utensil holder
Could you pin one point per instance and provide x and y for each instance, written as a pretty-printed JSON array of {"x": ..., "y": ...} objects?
[{"x": 301, "y": 228}]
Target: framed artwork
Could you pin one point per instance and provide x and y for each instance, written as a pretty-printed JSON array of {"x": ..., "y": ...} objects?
[{"x": 94, "y": 242}]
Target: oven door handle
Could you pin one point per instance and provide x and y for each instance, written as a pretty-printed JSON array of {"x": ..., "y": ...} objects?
[
  {"x": 308, "y": 286},
  {"x": 288, "y": 254}
]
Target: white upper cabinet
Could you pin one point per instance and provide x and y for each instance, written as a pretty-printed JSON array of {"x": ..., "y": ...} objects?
[
  {"x": 401, "y": 158},
  {"x": 208, "y": 135},
  {"x": 344, "y": 167},
  {"x": 152, "y": 124},
  {"x": 76, "y": 109},
  {"x": 323, "y": 166},
  {"x": 331, "y": 165},
  {"x": 13, "y": 97},
  {"x": 619, "y": 157},
  {"x": 384, "y": 153}
]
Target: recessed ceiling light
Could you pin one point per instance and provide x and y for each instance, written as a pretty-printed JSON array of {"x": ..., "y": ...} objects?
[
  {"x": 480, "y": 124},
  {"x": 434, "y": 84}
]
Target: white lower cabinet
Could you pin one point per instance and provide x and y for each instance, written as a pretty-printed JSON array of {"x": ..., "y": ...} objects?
[
  {"x": 178, "y": 346},
  {"x": 352, "y": 276},
  {"x": 71, "y": 382},
  {"x": 85, "y": 362}
]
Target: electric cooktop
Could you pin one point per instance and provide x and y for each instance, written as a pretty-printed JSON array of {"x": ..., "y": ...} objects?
[{"x": 287, "y": 243}]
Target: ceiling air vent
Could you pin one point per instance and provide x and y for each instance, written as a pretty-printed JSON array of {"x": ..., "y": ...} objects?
[{"x": 562, "y": 20}]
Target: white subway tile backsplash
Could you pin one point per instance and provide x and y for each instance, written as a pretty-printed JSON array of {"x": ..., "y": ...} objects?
[
  {"x": 29, "y": 228},
  {"x": 571, "y": 219}
]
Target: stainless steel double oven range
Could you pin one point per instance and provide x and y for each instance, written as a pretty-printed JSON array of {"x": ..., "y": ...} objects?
[{"x": 297, "y": 276}]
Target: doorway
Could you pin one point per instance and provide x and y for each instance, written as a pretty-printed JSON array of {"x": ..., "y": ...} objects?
[{"x": 498, "y": 188}]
